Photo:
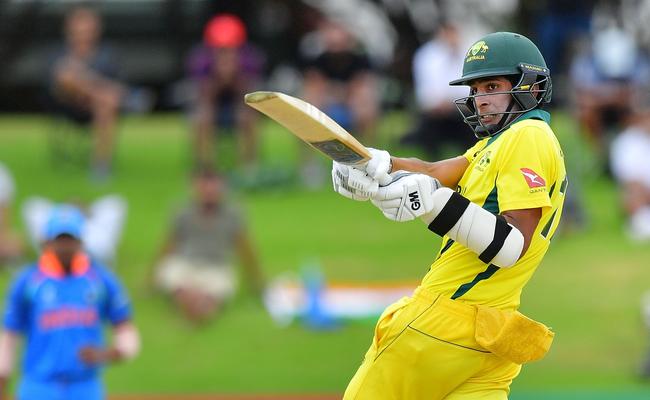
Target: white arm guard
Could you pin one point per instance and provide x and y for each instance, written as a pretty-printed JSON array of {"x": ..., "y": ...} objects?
[
  {"x": 488, "y": 235},
  {"x": 126, "y": 340}
]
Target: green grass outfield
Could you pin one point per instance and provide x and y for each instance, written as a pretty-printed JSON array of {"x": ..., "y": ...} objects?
[{"x": 588, "y": 287}]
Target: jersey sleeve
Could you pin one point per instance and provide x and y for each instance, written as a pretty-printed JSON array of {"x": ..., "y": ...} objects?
[
  {"x": 525, "y": 171},
  {"x": 471, "y": 153},
  {"x": 237, "y": 220},
  {"x": 16, "y": 314},
  {"x": 180, "y": 223},
  {"x": 117, "y": 307}
]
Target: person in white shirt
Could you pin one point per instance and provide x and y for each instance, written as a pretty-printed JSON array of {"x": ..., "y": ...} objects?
[
  {"x": 11, "y": 246},
  {"x": 631, "y": 168},
  {"x": 435, "y": 64},
  {"x": 102, "y": 231}
]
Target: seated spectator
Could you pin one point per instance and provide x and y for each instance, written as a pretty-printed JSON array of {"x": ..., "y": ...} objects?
[
  {"x": 644, "y": 371},
  {"x": 196, "y": 265},
  {"x": 11, "y": 245},
  {"x": 340, "y": 81},
  {"x": 84, "y": 85},
  {"x": 608, "y": 79},
  {"x": 102, "y": 230},
  {"x": 630, "y": 165},
  {"x": 223, "y": 69},
  {"x": 439, "y": 122}
]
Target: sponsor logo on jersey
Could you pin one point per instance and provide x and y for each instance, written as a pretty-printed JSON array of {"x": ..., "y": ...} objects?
[
  {"x": 532, "y": 178},
  {"x": 67, "y": 317}
]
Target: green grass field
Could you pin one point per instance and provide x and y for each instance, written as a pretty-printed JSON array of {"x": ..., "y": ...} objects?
[{"x": 588, "y": 287}]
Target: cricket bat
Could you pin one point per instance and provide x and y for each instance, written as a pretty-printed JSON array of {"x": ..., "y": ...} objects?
[{"x": 311, "y": 125}]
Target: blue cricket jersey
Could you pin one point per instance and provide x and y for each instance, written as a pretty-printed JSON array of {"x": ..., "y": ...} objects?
[{"x": 59, "y": 314}]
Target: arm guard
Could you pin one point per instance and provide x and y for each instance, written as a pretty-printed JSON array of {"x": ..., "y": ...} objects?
[{"x": 490, "y": 236}]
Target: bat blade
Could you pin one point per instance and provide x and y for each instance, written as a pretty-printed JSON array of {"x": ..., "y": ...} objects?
[{"x": 311, "y": 125}]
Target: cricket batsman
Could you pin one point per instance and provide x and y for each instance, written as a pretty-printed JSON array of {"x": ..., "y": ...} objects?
[{"x": 497, "y": 207}]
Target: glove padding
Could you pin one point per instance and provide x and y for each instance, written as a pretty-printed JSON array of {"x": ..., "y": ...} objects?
[
  {"x": 407, "y": 197},
  {"x": 375, "y": 170},
  {"x": 353, "y": 183},
  {"x": 379, "y": 166}
]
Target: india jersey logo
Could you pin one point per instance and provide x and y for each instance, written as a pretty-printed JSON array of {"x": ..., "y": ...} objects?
[{"x": 532, "y": 178}]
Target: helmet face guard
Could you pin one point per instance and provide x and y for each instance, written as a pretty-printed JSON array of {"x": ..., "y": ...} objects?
[{"x": 533, "y": 89}]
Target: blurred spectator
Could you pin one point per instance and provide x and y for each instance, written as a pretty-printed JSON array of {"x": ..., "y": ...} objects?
[
  {"x": 11, "y": 246},
  {"x": 630, "y": 166},
  {"x": 557, "y": 25},
  {"x": 58, "y": 304},
  {"x": 608, "y": 79},
  {"x": 439, "y": 123},
  {"x": 223, "y": 69},
  {"x": 645, "y": 316},
  {"x": 339, "y": 80},
  {"x": 84, "y": 85},
  {"x": 195, "y": 265},
  {"x": 104, "y": 221}
]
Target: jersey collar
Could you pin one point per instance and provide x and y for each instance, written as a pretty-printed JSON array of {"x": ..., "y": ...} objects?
[
  {"x": 532, "y": 114},
  {"x": 535, "y": 114},
  {"x": 50, "y": 265}
]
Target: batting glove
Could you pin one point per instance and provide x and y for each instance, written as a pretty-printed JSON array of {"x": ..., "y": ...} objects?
[
  {"x": 353, "y": 183},
  {"x": 379, "y": 166},
  {"x": 377, "y": 169},
  {"x": 407, "y": 197}
]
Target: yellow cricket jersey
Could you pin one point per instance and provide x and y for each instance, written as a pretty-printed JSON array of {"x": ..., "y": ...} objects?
[{"x": 521, "y": 167}]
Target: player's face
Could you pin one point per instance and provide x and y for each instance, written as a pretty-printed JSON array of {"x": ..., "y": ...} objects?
[
  {"x": 209, "y": 190},
  {"x": 65, "y": 247},
  {"x": 490, "y": 99},
  {"x": 83, "y": 30},
  {"x": 226, "y": 64}
]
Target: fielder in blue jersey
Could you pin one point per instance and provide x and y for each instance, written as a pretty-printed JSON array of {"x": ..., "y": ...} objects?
[{"x": 59, "y": 305}]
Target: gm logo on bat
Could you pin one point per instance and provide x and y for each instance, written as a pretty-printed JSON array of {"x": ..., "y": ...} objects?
[{"x": 415, "y": 201}]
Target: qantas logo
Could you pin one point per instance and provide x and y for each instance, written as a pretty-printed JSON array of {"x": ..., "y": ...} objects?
[{"x": 532, "y": 178}]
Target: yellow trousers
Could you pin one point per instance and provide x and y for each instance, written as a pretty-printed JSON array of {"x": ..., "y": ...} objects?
[{"x": 424, "y": 348}]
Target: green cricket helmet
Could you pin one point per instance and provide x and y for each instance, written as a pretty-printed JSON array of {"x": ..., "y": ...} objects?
[{"x": 514, "y": 57}]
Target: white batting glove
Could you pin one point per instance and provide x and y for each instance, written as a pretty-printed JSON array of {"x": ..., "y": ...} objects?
[
  {"x": 353, "y": 183},
  {"x": 407, "y": 197},
  {"x": 379, "y": 166}
]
